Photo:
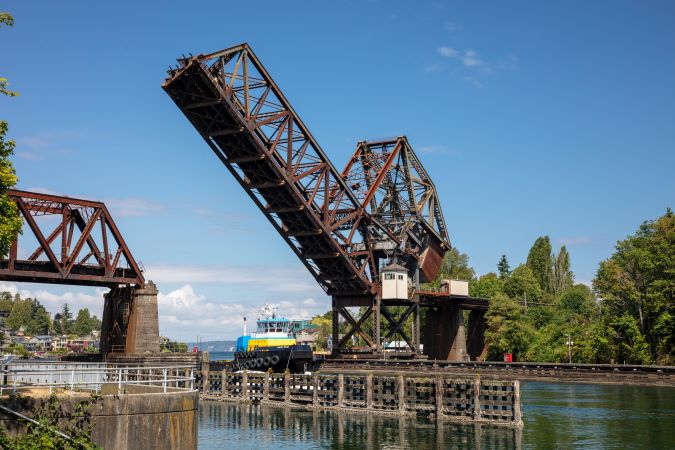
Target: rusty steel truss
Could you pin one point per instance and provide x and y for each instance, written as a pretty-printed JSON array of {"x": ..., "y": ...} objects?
[
  {"x": 82, "y": 245},
  {"x": 343, "y": 226}
]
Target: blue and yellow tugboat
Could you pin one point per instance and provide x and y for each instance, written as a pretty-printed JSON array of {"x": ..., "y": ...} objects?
[{"x": 271, "y": 346}]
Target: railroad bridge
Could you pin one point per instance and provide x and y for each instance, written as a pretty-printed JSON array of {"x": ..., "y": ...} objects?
[
  {"x": 381, "y": 210},
  {"x": 350, "y": 228},
  {"x": 76, "y": 242}
]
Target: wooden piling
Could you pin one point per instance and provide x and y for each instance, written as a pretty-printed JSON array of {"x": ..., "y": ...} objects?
[
  {"x": 244, "y": 385},
  {"x": 341, "y": 390},
  {"x": 315, "y": 389},
  {"x": 401, "y": 393},
  {"x": 369, "y": 391},
  {"x": 476, "y": 399},
  {"x": 223, "y": 383},
  {"x": 266, "y": 386},
  {"x": 438, "y": 390},
  {"x": 287, "y": 387}
]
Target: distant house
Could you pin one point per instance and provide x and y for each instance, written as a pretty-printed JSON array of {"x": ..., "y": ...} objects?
[
  {"x": 60, "y": 342},
  {"x": 81, "y": 344},
  {"x": 45, "y": 342}
]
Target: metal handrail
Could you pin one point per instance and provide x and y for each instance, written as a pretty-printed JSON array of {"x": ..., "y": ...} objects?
[{"x": 87, "y": 378}]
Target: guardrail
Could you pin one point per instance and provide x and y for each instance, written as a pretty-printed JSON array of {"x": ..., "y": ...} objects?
[{"x": 93, "y": 376}]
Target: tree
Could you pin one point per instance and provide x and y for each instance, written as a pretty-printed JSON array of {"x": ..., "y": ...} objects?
[
  {"x": 40, "y": 323},
  {"x": 503, "y": 267},
  {"x": 522, "y": 284},
  {"x": 455, "y": 266},
  {"x": 82, "y": 325},
  {"x": 66, "y": 325},
  {"x": 10, "y": 222},
  {"x": 637, "y": 287},
  {"x": 540, "y": 261},
  {"x": 507, "y": 331},
  {"x": 578, "y": 299},
  {"x": 20, "y": 316},
  {"x": 487, "y": 286},
  {"x": 563, "y": 278}
]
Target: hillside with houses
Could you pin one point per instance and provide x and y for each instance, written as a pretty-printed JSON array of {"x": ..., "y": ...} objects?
[{"x": 28, "y": 329}]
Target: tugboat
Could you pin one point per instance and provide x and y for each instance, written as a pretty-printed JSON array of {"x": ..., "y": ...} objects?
[{"x": 271, "y": 346}]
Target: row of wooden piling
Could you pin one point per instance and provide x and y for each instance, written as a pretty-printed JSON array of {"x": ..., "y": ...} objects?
[{"x": 448, "y": 398}]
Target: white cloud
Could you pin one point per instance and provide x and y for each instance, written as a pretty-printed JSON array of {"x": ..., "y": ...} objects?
[
  {"x": 447, "y": 52},
  {"x": 471, "y": 58},
  {"x": 267, "y": 278},
  {"x": 434, "y": 148},
  {"x": 133, "y": 207},
  {"x": 184, "y": 314},
  {"x": 476, "y": 83},
  {"x": 576, "y": 240}
]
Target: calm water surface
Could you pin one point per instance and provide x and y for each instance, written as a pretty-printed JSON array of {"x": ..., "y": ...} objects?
[{"x": 556, "y": 416}]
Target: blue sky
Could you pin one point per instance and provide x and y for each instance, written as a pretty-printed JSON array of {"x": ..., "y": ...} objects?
[{"x": 532, "y": 118}]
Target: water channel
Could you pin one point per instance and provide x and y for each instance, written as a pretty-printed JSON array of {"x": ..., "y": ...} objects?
[{"x": 556, "y": 416}]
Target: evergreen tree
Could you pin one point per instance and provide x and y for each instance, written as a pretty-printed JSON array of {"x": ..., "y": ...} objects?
[
  {"x": 540, "y": 261},
  {"x": 83, "y": 324},
  {"x": 66, "y": 319},
  {"x": 503, "y": 267},
  {"x": 563, "y": 278},
  {"x": 40, "y": 321}
]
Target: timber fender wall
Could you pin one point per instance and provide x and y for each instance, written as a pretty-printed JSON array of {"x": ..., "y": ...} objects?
[
  {"x": 445, "y": 397},
  {"x": 143, "y": 418}
]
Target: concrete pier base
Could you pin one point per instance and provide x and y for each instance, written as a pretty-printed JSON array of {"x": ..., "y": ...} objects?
[
  {"x": 445, "y": 337},
  {"x": 130, "y": 320}
]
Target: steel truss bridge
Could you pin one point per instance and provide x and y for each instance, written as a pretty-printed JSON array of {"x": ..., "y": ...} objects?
[{"x": 343, "y": 225}]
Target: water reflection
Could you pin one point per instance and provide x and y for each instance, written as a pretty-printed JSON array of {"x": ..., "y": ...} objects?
[{"x": 261, "y": 426}]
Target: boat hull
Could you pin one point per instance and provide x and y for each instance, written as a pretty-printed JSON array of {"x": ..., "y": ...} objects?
[{"x": 295, "y": 358}]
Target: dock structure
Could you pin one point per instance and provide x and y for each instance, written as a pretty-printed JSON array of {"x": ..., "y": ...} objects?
[{"x": 445, "y": 397}]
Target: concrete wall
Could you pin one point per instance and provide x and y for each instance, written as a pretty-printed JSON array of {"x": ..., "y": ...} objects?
[{"x": 143, "y": 418}]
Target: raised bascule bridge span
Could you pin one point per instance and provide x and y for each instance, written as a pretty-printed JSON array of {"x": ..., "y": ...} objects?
[{"x": 378, "y": 220}]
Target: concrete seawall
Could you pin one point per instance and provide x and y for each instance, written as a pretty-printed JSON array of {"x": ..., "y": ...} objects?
[{"x": 142, "y": 418}]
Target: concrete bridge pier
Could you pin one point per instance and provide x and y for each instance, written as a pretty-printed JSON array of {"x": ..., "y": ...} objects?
[
  {"x": 445, "y": 337},
  {"x": 130, "y": 321}
]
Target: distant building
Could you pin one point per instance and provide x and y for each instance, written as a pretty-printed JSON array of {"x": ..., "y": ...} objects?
[{"x": 60, "y": 342}]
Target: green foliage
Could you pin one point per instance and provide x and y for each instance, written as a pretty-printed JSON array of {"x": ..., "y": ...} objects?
[
  {"x": 83, "y": 323},
  {"x": 325, "y": 324},
  {"x": 164, "y": 347},
  {"x": 507, "y": 331},
  {"x": 539, "y": 260},
  {"x": 522, "y": 284},
  {"x": 29, "y": 314},
  {"x": 637, "y": 286},
  {"x": 504, "y": 267},
  {"x": 487, "y": 286},
  {"x": 455, "y": 266},
  {"x": 63, "y": 321},
  {"x": 10, "y": 221},
  {"x": 51, "y": 418},
  {"x": 563, "y": 278},
  {"x": 577, "y": 299}
]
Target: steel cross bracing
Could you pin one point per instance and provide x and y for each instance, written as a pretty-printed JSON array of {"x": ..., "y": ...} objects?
[
  {"x": 77, "y": 243},
  {"x": 235, "y": 105}
]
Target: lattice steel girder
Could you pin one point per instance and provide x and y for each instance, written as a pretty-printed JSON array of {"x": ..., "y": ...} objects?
[
  {"x": 91, "y": 250},
  {"x": 234, "y": 104},
  {"x": 390, "y": 182}
]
